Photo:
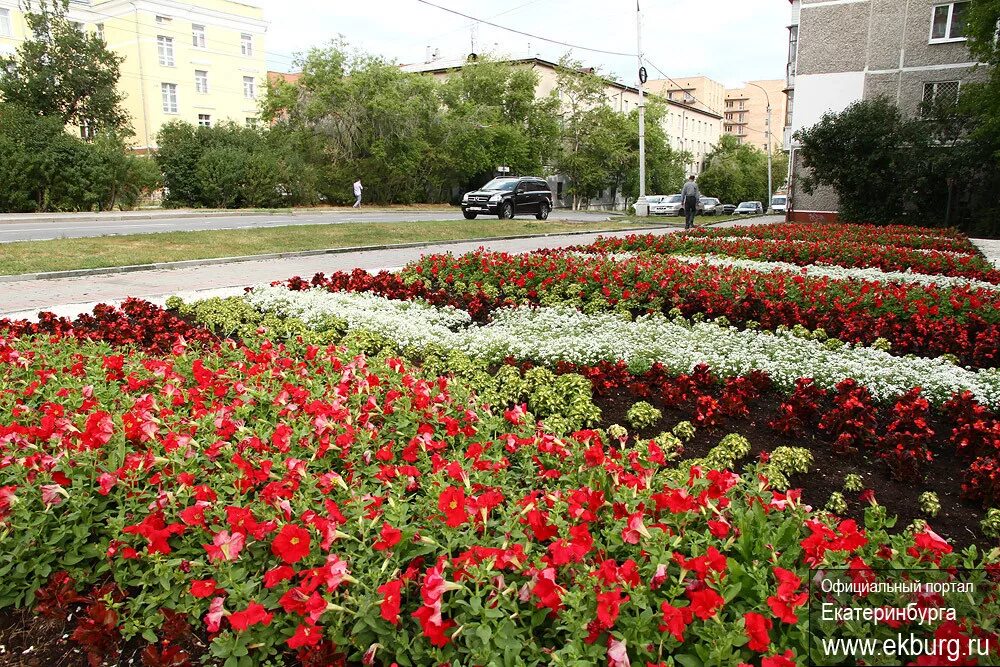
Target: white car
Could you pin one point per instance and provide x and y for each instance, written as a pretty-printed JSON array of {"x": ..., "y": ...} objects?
[
  {"x": 779, "y": 204},
  {"x": 750, "y": 208},
  {"x": 665, "y": 204}
]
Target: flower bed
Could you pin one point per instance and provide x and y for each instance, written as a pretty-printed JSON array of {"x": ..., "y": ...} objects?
[
  {"x": 302, "y": 502},
  {"x": 854, "y": 254},
  {"x": 919, "y": 319},
  {"x": 920, "y": 238}
]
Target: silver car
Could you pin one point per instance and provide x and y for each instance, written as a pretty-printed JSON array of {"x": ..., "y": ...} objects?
[
  {"x": 711, "y": 206},
  {"x": 665, "y": 205}
]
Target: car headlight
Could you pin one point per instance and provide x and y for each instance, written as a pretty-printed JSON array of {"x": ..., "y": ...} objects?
[
  {"x": 465, "y": 197},
  {"x": 496, "y": 198}
]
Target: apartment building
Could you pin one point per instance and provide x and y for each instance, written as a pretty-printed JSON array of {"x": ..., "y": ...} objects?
[
  {"x": 199, "y": 63},
  {"x": 842, "y": 51},
  {"x": 688, "y": 127},
  {"x": 697, "y": 91},
  {"x": 745, "y": 114}
]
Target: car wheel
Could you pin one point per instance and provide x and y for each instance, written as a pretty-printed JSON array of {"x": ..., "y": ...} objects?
[
  {"x": 506, "y": 211},
  {"x": 469, "y": 216},
  {"x": 543, "y": 211}
]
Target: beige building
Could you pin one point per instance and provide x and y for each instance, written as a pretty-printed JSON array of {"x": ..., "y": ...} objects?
[
  {"x": 688, "y": 127},
  {"x": 909, "y": 51},
  {"x": 700, "y": 92},
  {"x": 745, "y": 113},
  {"x": 202, "y": 63}
]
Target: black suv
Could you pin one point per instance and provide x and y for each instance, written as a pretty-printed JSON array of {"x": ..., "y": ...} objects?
[{"x": 507, "y": 197}]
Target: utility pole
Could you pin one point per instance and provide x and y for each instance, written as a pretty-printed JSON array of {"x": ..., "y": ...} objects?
[
  {"x": 770, "y": 179},
  {"x": 642, "y": 103}
]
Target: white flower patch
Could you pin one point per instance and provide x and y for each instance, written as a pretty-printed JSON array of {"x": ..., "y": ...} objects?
[
  {"x": 548, "y": 335},
  {"x": 838, "y": 272},
  {"x": 406, "y": 322}
]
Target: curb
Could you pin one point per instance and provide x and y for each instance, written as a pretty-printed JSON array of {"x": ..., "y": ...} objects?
[{"x": 189, "y": 263}]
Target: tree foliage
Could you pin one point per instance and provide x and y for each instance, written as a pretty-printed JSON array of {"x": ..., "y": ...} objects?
[
  {"x": 44, "y": 168},
  {"x": 64, "y": 73},
  {"x": 736, "y": 172}
]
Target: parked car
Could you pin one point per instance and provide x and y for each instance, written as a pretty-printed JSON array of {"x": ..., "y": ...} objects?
[
  {"x": 665, "y": 205},
  {"x": 711, "y": 206},
  {"x": 779, "y": 204},
  {"x": 727, "y": 209},
  {"x": 507, "y": 197},
  {"x": 750, "y": 208}
]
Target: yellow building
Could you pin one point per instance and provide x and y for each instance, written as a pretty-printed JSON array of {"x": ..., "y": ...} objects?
[
  {"x": 746, "y": 112},
  {"x": 199, "y": 63}
]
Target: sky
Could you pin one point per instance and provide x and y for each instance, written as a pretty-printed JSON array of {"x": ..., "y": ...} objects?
[{"x": 731, "y": 41}]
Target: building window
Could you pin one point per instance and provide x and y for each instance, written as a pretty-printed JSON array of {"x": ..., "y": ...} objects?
[
  {"x": 99, "y": 31},
  {"x": 5, "y": 28},
  {"x": 249, "y": 88},
  {"x": 162, "y": 19},
  {"x": 77, "y": 25},
  {"x": 941, "y": 92},
  {"x": 87, "y": 131},
  {"x": 165, "y": 49},
  {"x": 201, "y": 81},
  {"x": 948, "y": 22},
  {"x": 789, "y": 106},
  {"x": 169, "y": 93},
  {"x": 198, "y": 35},
  {"x": 204, "y": 120},
  {"x": 246, "y": 44}
]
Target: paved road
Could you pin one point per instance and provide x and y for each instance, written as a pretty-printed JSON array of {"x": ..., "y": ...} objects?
[
  {"x": 72, "y": 296},
  {"x": 26, "y": 229}
]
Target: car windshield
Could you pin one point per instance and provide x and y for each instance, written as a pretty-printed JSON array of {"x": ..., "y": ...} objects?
[
  {"x": 779, "y": 200},
  {"x": 746, "y": 204},
  {"x": 673, "y": 199},
  {"x": 656, "y": 199},
  {"x": 502, "y": 184},
  {"x": 709, "y": 200}
]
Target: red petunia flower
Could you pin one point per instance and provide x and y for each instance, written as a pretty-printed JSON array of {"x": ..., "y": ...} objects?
[
  {"x": 391, "y": 601},
  {"x": 675, "y": 620},
  {"x": 452, "y": 503},
  {"x": 225, "y": 546},
  {"x": 203, "y": 588},
  {"x": 634, "y": 529},
  {"x": 291, "y": 544},
  {"x": 757, "y": 628},
  {"x": 305, "y": 635},
  {"x": 388, "y": 538},
  {"x": 705, "y": 603},
  {"x": 785, "y": 660},
  {"x": 276, "y": 575},
  {"x": 254, "y": 614}
]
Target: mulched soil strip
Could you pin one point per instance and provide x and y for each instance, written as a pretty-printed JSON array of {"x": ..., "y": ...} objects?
[{"x": 958, "y": 522}]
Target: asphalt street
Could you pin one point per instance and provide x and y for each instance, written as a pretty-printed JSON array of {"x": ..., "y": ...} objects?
[
  {"x": 24, "y": 228},
  {"x": 71, "y": 296}
]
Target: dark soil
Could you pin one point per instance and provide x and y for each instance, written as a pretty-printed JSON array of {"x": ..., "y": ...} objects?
[{"x": 958, "y": 521}]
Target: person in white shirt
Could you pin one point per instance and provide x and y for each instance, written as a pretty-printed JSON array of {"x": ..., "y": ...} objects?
[{"x": 357, "y": 192}]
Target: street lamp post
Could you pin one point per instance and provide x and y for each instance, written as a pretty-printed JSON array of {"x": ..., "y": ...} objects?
[
  {"x": 770, "y": 180},
  {"x": 642, "y": 105}
]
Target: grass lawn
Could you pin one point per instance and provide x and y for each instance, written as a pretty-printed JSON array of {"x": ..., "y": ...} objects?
[{"x": 106, "y": 251}]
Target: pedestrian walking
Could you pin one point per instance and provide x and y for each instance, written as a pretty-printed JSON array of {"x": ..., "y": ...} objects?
[
  {"x": 358, "y": 188},
  {"x": 690, "y": 196}
]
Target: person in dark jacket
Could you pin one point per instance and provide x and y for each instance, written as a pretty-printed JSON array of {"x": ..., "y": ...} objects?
[{"x": 690, "y": 196}]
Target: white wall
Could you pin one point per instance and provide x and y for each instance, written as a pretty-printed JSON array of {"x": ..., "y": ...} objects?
[{"x": 817, "y": 94}]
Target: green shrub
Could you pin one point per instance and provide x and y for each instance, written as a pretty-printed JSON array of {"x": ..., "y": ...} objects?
[
  {"x": 837, "y": 504},
  {"x": 853, "y": 483},
  {"x": 643, "y": 415},
  {"x": 785, "y": 462},
  {"x": 731, "y": 449},
  {"x": 991, "y": 523},
  {"x": 929, "y": 503},
  {"x": 684, "y": 430}
]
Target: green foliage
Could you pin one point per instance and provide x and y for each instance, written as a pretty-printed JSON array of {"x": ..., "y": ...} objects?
[
  {"x": 785, "y": 462},
  {"x": 671, "y": 445},
  {"x": 64, "y": 73},
  {"x": 234, "y": 318},
  {"x": 230, "y": 165},
  {"x": 853, "y": 483},
  {"x": 731, "y": 449},
  {"x": 736, "y": 172},
  {"x": 929, "y": 503},
  {"x": 643, "y": 415},
  {"x": 837, "y": 503},
  {"x": 684, "y": 430},
  {"x": 44, "y": 168},
  {"x": 991, "y": 523}
]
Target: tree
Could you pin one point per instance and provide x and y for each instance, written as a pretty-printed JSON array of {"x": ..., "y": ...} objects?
[
  {"x": 64, "y": 73},
  {"x": 736, "y": 172},
  {"x": 583, "y": 100}
]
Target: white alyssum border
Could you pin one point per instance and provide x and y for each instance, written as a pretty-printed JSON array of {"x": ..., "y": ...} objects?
[
  {"x": 838, "y": 272},
  {"x": 548, "y": 335}
]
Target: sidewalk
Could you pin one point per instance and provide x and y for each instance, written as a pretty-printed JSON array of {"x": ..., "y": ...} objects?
[
  {"x": 179, "y": 213},
  {"x": 72, "y": 296}
]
